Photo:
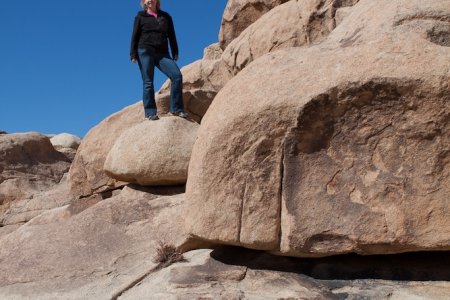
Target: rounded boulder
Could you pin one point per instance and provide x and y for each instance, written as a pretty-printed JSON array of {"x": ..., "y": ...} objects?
[
  {"x": 153, "y": 152},
  {"x": 65, "y": 140}
]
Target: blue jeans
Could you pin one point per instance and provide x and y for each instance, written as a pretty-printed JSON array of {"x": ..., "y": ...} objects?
[{"x": 147, "y": 63}]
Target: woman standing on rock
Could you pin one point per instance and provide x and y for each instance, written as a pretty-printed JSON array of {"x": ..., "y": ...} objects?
[{"x": 152, "y": 32}]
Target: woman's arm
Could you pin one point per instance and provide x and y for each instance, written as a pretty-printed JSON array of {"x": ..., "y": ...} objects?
[
  {"x": 135, "y": 38},
  {"x": 172, "y": 39}
]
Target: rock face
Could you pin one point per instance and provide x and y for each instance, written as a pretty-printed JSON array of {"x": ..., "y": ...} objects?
[
  {"x": 86, "y": 174},
  {"x": 303, "y": 23},
  {"x": 23, "y": 210},
  {"x": 89, "y": 254},
  {"x": 239, "y": 14},
  {"x": 368, "y": 172},
  {"x": 29, "y": 165},
  {"x": 212, "y": 52},
  {"x": 153, "y": 153},
  {"x": 341, "y": 147}
]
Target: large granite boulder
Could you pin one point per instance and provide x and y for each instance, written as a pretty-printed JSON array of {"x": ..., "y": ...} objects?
[
  {"x": 153, "y": 153},
  {"x": 94, "y": 253},
  {"x": 303, "y": 23},
  {"x": 29, "y": 166},
  {"x": 86, "y": 175},
  {"x": 341, "y": 147},
  {"x": 239, "y": 14}
]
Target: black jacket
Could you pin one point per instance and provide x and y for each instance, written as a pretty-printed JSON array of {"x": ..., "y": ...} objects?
[{"x": 152, "y": 34}]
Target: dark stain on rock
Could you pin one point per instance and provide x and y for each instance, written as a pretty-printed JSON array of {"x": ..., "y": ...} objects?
[
  {"x": 440, "y": 35},
  {"x": 316, "y": 128}
]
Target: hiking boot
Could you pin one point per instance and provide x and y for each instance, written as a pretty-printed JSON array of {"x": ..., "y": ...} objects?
[
  {"x": 180, "y": 114},
  {"x": 152, "y": 117}
]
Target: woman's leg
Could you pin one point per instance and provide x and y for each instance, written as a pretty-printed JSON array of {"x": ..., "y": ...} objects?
[
  {"x": 170, "y": 68},
  {"x": 147, "y": 66}
]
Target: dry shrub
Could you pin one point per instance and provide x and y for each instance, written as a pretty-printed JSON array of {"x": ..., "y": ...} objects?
[{"x": 166, "y": 255}]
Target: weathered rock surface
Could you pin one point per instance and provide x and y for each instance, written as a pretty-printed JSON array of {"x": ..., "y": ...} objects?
[
  {"x": 367, "y": 170},
  {"x": 239, "y": 274},
  {"x": 212, "y": 52},
  {"x": 202, "y": 80},
  {"x": 86, "y": 175},
  {"x": 29, "y": 165},
  {"x": 153, "y": 153},
  {"x": 340, "y": 147},
  {"x": 303, "y": 23},
  {"x": 68, "y": 152},
  {"x": 23, "y": 210},
  {"x": 94, "y": 253},
  {"x": 239, "y": 14}
]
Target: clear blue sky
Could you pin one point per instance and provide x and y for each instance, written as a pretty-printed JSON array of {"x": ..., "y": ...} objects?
[{"x": 64, "y": 65}]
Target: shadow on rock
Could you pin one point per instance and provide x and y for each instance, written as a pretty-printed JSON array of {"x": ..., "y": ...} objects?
[
  {"x": 421, "y": 266},
  {"x": 160, "y": 190}
]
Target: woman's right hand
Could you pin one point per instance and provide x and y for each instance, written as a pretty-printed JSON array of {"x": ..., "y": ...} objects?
[{"x": 133, "y": 60}]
